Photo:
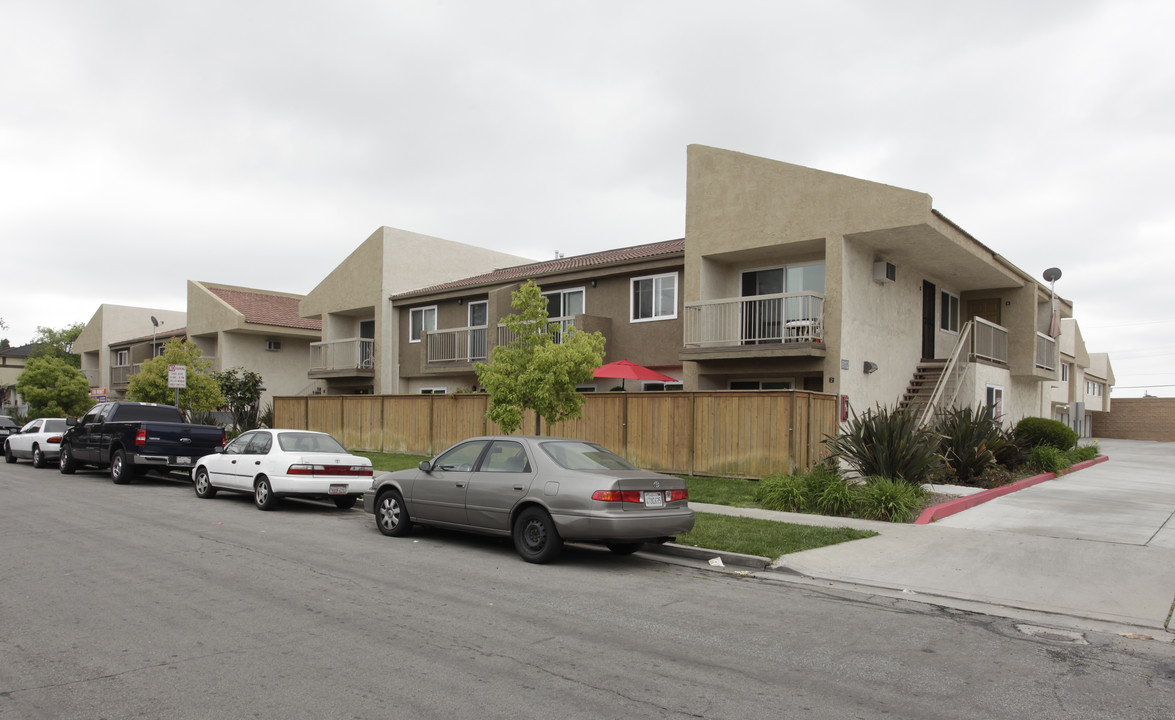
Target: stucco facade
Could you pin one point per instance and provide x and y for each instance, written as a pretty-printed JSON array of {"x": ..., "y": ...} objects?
[{"x": 110, "y": 325}]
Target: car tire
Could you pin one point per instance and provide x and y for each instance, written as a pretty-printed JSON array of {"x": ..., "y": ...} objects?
[
  {"x": 391, "y": 517},
  {"x": 263, "y": 495},
  {"x": 8, "y": 456},
  {"x": 65, "y": 463},
  {"x": 38, "y": 457},
  {"x": 535, "y": 536},
  {"x": 623, "y": 548},
  {"x": 120, "y": 472},
  {"x": 203, "y": 484},
  {"x": 345, "y": 502}
]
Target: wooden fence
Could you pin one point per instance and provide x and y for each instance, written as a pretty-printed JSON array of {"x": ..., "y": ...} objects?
[{"x": 721, "y": 434}]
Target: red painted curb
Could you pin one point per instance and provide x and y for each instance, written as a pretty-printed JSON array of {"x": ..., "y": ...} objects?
[{"x": 946, "y": 509}]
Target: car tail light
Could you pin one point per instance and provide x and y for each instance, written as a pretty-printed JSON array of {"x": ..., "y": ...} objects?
[
  {"x": 141, "y": 437},
  {"x": 54, "y": 439},
  {"x": 333, "y": 470},
  {"x": 636, "y": 496},
  {"x": 675, "y": 495}
]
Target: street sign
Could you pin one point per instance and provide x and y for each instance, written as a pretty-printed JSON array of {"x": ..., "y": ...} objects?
[{"x": 177, "y": 376}]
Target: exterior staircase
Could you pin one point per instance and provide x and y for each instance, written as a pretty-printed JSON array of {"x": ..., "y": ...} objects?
[{"x": 921, "y": 388}]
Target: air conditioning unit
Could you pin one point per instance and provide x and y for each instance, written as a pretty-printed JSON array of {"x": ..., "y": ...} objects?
[
  {"x": 885, "y": 272},
  {"x": 273, "y": 345}
]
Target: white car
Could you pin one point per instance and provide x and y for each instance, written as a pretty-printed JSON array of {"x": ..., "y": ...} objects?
[
  {"x": 39, "y": 440},
  {"x": 272, "y": 464}
]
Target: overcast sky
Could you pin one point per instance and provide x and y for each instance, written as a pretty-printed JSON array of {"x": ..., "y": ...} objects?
[{"x": 146, "y": 143}]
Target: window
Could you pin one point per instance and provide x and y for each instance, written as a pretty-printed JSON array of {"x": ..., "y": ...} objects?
[
  {"x": 949, "y": 317},
  {"x": 562, "y": 307},
  {"x": 461, "y": 458},
  {"x": 654, "y": 298},
  {"x": 1064, "y": 372},
  {"x": 585, "y": 388},
  {"x": 995, "y": 400},
  {"x": 762, "y": 384},
  {"x": 421, "y": 320},
  {"x": 122, "y": 358},
  {"x": 661, "y": 386},
  {"x": 434, "y": 391},
  {"x": 505, "y": 456},
  {"x": 479, "y": 315}
]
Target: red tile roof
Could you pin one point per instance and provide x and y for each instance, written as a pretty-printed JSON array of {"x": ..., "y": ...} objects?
[
  {"x": 262, "y": 309},
  {"x": 560, "y": 265}
]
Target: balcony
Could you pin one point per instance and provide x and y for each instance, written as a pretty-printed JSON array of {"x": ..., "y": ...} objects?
[
  {"x": 352, "y": 357},
  {"x": 458, "y": 345},
  {"x": 793, "y": 320},
  {"x": 989, "y": 341},
  {"x": 120, "y": 375},
  {"x": 1046, "y": 352}
]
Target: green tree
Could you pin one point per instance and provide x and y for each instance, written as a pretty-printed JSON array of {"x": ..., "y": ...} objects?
[
  {"x": 202, "y": 393},
  {"x": 58, "y": 343},
  {"x": 54, "y": 388},
  {"x": 242, "y": 396},
  {"x": 533, "y": 370}
]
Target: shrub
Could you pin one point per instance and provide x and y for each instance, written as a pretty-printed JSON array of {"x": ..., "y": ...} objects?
[
  {"x": 1048, "y": 459},
  {"x": 887, "y": 443},
  {"x": 969, "y": 441},
  {"x": 783, "y": 492},
  {"x": 1082, "y": 453},
  {"x": 884, "y": 498},
  {"x": 837, "y": 498},
  {"x": 994, "y": 477},
  {"x": 1033, "y": 431}
]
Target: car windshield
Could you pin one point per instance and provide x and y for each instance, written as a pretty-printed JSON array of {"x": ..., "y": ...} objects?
[
  {"x": 55, "y": 425},
  {"x": 575, "y": 455},
  {"x": 309, "y": 442}
]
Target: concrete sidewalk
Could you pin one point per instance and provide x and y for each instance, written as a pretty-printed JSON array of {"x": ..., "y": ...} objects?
[{"x": 1092, "y": 549}]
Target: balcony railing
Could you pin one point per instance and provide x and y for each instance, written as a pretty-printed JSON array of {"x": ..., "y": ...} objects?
[
  {"x": 470, "y": 344},
  {"x": 121, "y": 374},
  {"x": 349, "y": 354},
  {"x": 1046, "y": 352},
  {"x": 989, "y": 341},
  {"x": 759, "y": 319},
  {"x": 556, "y": 326}
]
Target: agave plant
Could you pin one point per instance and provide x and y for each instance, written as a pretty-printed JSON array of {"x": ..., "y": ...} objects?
[
  {"x": 887, "y": 443},
  {"x": 971, "y": 440}
]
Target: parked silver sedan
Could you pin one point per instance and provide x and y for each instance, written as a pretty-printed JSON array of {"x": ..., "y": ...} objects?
[{"x": 540, "y": 491}]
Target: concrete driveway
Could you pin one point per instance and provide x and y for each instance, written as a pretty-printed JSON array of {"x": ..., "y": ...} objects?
[{"x": 1096, "y": 546}]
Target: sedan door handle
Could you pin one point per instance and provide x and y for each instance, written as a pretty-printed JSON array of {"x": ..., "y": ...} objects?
[
  {"x": 460, "y": 484},
  {"x": 518, "y": 487}
]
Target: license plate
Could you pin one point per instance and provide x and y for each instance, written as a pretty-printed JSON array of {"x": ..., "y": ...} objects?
[
  {"x": 183, "y": 461},
  {"x": 337, "y": 490},
  {"x": 654, "y": 499}
]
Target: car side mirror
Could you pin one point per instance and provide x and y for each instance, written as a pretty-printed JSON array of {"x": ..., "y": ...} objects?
[
  {"x": 71, "y": 421},
  {"x": 425, "y": 466}
]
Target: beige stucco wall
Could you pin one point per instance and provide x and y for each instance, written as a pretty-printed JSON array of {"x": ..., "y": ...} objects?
[{"x": 114, "y": 324}]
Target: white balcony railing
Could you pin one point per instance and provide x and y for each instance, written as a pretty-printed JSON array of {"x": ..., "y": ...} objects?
[
  {"x": 1046, "y": 352},
  {"x": 759, "y": 319},
  {"x": 348, "y": 354},
  {"x": 469, "y": 344},
  {"x": 121, "y": 374},
  {"x": 989, "y": 341}
]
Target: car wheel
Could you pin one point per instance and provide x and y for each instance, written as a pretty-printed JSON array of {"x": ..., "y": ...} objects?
[
  {"x": 65, "y": 462},
  {"x": 263, "y": 494},
  {"x": 535, "y": 536},
  {"x": 390, "y": 514},
  {"x": 38, "y": 457},
  {"x": 625, "y": 548},
  {"x": 8, "y": 456},
  {"x": 119, "y": 472},
  {"x": 345, "y": 502},
  {"x": 203, "y": 484}
]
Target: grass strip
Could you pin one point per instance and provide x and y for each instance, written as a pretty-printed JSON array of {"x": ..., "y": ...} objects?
[
  {"x": 766, "y": 538},
  {"x": 390, "y": 462},
  {"x": 722, "y": 491}
]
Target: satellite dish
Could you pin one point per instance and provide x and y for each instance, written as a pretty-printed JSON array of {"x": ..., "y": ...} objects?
[
  {"x": 156, "y": 322},
  {"x": 1052, "y": 274}
]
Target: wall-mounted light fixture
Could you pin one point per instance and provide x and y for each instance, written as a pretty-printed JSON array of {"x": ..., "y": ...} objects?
[
  {"x": 870, "y": 367},
  {"x": 460, "y": 301},
  {"x": 593, "y": 282}
]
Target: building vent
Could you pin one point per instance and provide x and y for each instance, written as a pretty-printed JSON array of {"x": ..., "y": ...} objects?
[
  {"x": 885, "y": 272},
  {"x": 273, "y": 345}
]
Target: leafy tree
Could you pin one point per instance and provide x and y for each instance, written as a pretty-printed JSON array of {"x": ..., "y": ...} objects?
[
  {"x": 202, "y": 393},
  {"x": 242, "y": 395},
  {"x": 53, "y": 388},
  {"x": 58, "y": 343},
  {"x": 532, "y": 370}
]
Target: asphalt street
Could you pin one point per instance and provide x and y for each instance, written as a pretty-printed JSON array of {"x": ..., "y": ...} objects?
[{"x": 142, "y": 601}]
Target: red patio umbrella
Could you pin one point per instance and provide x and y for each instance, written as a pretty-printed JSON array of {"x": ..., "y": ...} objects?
[{"x": 623, "y": 370}]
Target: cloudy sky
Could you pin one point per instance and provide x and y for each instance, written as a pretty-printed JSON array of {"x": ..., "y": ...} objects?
[{"x": 257, "y": 143}]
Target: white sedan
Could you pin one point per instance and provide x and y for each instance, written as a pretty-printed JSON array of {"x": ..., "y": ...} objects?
[
  {"x": 39, "y": 440},
  {"x": 272, "y": 464}
]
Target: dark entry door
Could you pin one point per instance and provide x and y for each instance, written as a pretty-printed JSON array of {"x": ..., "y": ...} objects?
[{"x": 928, "y": 332}]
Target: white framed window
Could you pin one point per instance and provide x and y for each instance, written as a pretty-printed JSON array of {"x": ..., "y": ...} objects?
[
  {"x": 995, "y": 399},
  {"x": 654, "y": 297},
  {"x": 562, "y": 307},
  {"x": 1064, "y": 372},
  {"x": 421, "y": 320},
  {"x": 770, "y": 384},
  {"x": 122, "y": 358},
  {"x": 949, "y": 315},
  {"x": 434, "y": 391},
  {"x": 661, "y": 386}
]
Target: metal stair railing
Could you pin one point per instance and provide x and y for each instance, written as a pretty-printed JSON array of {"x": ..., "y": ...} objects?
[{"x": 951, "y": 378}]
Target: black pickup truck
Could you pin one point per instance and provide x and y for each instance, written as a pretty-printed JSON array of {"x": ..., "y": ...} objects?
[{"x": 131, "y": 438}]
